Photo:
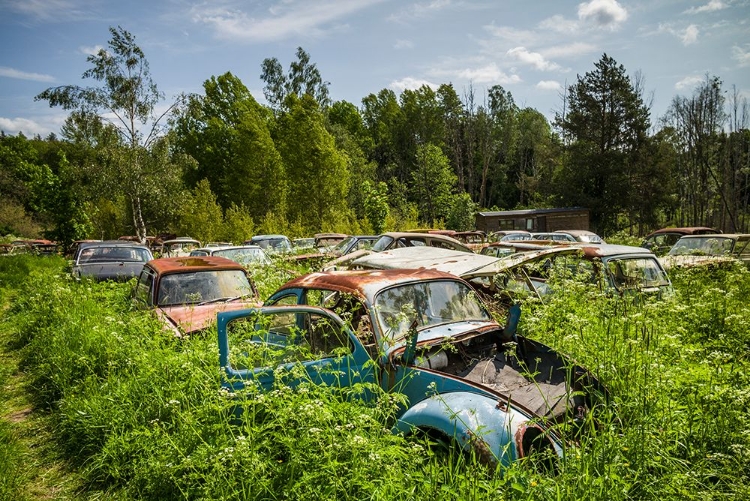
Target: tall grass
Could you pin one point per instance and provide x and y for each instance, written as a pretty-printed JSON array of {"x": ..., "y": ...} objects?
[{"x": 141, "y": 414}]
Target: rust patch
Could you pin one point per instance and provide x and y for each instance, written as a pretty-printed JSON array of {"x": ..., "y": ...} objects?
[
  {"x": 481, "y": 449},
  {"x": 192, "y": 263},
  {"x": 359, "y": 281}
]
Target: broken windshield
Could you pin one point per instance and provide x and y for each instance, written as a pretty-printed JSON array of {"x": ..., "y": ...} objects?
[{"x": 429, "y": 303}]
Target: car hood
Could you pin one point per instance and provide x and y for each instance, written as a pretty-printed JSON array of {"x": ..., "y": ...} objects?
[
  {"x": 117, "y": 270},
  {"x": 689, "y": 261},
  {"x": 505, "y": 263},
  {"x": 188, "y": 319}
]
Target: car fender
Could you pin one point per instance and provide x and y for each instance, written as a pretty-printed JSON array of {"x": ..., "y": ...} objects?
[{"x": 489, "y": 427}]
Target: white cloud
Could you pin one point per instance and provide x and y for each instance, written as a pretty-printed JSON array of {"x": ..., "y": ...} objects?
[
  {"x": 411, "y": 84},
  {"x": 689, "y": 82},
  {"x": 532, "y": 58},
  {"x": 54, "y": 10},
  {"x": 605, "y": 14},
  {"x": 44, "y": 127},
  {"x": 419, "y": 10},
  {"x": 690, "y": 35},
  {"x": 560, "y": 24},
  {"x": 487, "y": 74},
  {"x": 287, "y": 19},
  {"x": 742, "y": 56},
  {"x": 513, "y": 35},
  {"x": 711, "y": 6},
  {"x": 687, "y": 36},
  {"x": 570, "y": 50},
  {"x": 403, "y": 44},
  {"x": 90, "y": 51},
  {"x": 548, "y": 85},
  {"x": 23, "y": 75}
]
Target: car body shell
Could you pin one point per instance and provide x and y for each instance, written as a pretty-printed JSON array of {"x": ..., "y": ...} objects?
[
  {"x": 188, "y": 318},
  {"x": 661, "y": 241},
  {"x": 585, "y": 236},
  {"x": 326, "y": 241},
  {"x": 552, "y": 235},
  {"x": 116, "y": 260},
  {"x": 247, "y": 255},
  {"x": 510, "y": 235},
  {"x": 708, "y": 250},
  {"x": 488, "y": 408},
  {"x": 179, "y": 247},
  {"x": 608, "y": 264},
  {"x": 271, "y": 243},
  {"x": 393, "y": 240}
]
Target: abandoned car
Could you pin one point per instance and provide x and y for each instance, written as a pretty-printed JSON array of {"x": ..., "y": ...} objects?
[
  {"x": 705, "y": 250},
  {"x": 661, "y": 241},
  {"x": 115, "y": 260},
  {"x": 395, "y": 240},
  {"x": 585, "y": 236},
  {"x": 180, "y": 246},
  {"x": 246, "y": 255},
  {"x": 187, "y": 292},
  {"x": 424, "y": 334},
  {"x": 618, "y": 268}
]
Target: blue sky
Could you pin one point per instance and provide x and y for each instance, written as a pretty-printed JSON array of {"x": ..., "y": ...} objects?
[{"x": 531, "y": 48}]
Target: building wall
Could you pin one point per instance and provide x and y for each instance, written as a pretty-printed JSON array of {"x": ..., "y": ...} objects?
[{"x": 541, "y": 220}]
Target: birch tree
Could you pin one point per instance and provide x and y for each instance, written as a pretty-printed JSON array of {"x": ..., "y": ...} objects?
[{"x": 127, "y": 98}]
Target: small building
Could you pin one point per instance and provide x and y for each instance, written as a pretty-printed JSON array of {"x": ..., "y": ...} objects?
[{"x": 535, "y": 220}]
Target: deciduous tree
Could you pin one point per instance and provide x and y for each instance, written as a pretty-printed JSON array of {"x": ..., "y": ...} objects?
[{"x": 127, "y": 98}]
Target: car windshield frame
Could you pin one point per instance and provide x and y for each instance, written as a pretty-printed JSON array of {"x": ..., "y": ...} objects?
[
  {"x": 111, "y": 254},
  {"x": 643, "y": 272},
  {"x": 704, "y": 245},
  {"x": 341, "y": 247},
  {"x": 256, "y": 255},
  {"x": 201, "y": 286},
  {"x": 382, "y": 243},
  {"x": 430, "y": 303}
]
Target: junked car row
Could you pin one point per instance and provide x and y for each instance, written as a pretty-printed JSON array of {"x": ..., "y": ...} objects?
[{"x": 412, "y": 313}]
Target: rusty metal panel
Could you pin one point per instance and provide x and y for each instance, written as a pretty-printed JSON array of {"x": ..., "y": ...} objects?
[{"x": 454, "y": 262}]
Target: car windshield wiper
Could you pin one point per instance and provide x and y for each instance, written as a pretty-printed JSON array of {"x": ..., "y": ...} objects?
[{"x": 220, "y": 299}]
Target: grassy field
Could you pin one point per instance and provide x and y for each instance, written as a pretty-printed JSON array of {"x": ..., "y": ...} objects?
[{"x": 100, "y": 403}]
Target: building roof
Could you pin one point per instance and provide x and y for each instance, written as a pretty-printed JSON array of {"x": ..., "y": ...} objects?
[{"x": 531, "y": 212}]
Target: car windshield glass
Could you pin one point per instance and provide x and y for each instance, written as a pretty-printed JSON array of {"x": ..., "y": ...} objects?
[
  {"x": 201, "y": 286},
  {"x": 429, "y": 303},
  {"x": 703, "y": 246},
  {"x": 516, "y": 236},
  {"x": 244, "y": 256},
  {"x": 382, "y": 243},
  {"x": 106, "y": 254},
  {"x": 636, "y": 273},
  {"x": 593, "y": 239},
  {"x": 277, "y": 244},
  {"x": 343, "y": 245}
]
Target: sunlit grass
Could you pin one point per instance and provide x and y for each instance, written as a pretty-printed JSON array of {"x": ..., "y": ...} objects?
[{"x": 140, "y": 413}]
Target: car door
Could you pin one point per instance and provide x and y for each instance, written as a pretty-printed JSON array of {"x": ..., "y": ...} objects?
[{"x": 289, "y": 345}]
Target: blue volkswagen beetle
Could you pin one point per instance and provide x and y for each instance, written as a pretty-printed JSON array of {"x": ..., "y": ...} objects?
[{"x": 424, "y": 334}]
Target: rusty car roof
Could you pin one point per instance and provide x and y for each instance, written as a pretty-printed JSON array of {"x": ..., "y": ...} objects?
[
  {"x": 448, "y": 260},
  {"x": 363, "y": 283},
  {"x": 187, "y": 264},
  {"x": 731, "y": 236},
  {"x": 686, "y": 230}
]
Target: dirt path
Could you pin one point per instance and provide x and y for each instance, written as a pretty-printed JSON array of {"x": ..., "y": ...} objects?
[{"x": 30, "y": 467}]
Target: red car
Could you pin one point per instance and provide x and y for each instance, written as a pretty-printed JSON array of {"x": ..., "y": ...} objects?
[{"x": 188, "y": 292}]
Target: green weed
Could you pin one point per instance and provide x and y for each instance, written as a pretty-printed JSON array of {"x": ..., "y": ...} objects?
[{"x": 140, "y": 414}]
